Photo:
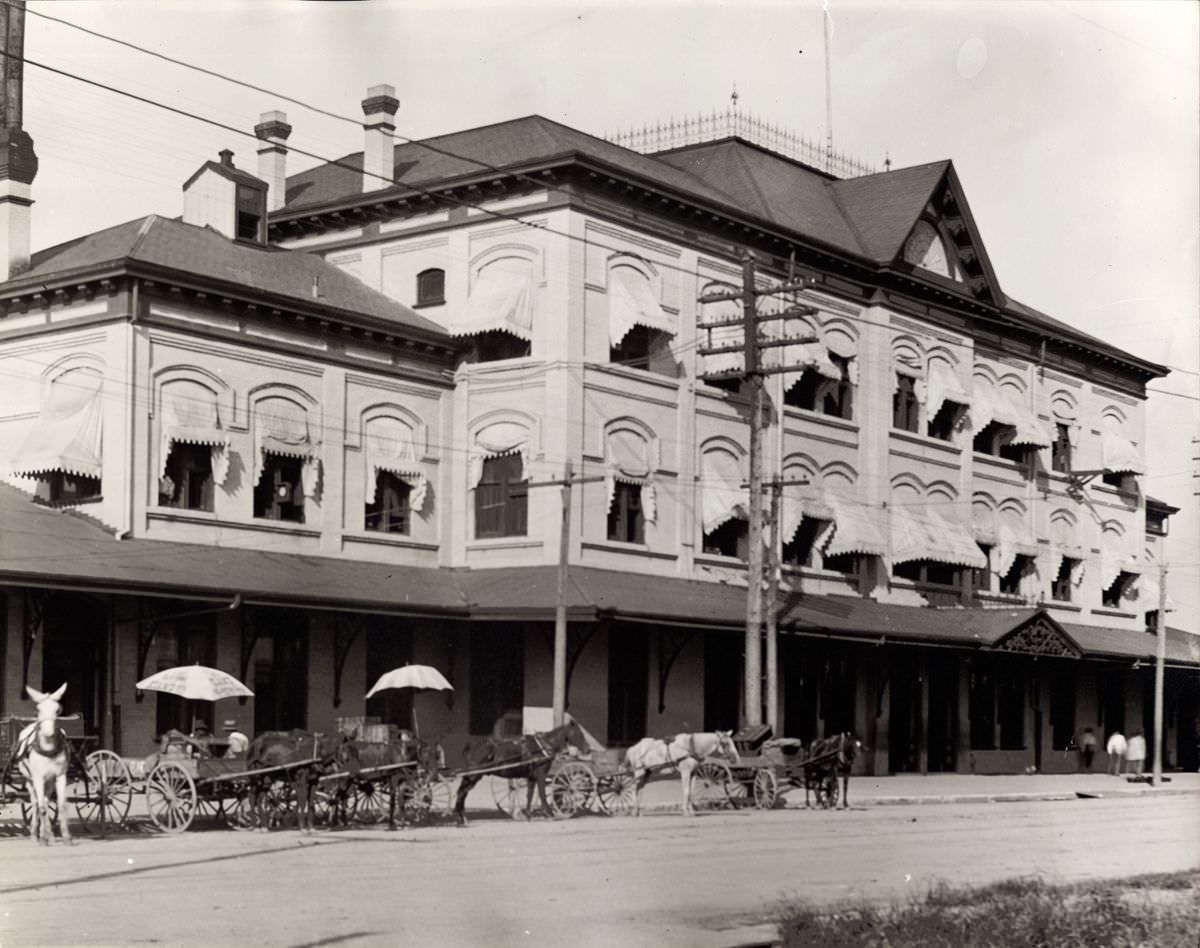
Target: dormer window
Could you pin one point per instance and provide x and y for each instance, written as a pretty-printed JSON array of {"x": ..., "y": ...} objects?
[
  {"x": 431, "y": 287},
  {"x": 250, "y": 207}
]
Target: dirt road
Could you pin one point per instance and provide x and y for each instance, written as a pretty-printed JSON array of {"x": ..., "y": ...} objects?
[{"x": 663, "y": 880}]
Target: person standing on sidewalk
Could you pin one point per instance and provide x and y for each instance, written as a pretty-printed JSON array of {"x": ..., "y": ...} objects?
[
  {"x": 1136, "y": 752},
  {"x": 1087, "y": 748},
  {"x": 1116, "y": 752}
]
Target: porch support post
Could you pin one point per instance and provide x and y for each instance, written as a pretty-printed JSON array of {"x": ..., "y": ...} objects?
[
  {"x": 962, "y": 756},
  {"x": 923, "y": 726}
]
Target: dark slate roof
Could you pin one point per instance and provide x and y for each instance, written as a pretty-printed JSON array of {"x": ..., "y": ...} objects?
[
  {"x": 882, "y": 208},
  {"x": 509, "y": 145},
  {"x": 42, "y": 545},
  {"x": 201, "y": 252}
]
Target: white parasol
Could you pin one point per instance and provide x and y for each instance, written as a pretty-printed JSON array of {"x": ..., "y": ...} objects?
[
  {"x": 197, "y": 682},
  {"x": 417, "y": 677}
]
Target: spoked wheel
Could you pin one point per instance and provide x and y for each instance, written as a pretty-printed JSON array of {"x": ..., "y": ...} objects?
[
  {"x": 415, "y": 804},
  {"x": 828, "y": 798},
  {"x": 711, "y": 781},
  {"x": 441, "y": 796},
  {"x": 237, "y": 811},
  {"x": 617, "y": 793},
  {"x": 107, "y": 793},
  {"x": 370, "y": 801},
  {"x": 570, "y": 789},
  {"x": 171, "y": 797},
  {"x": 510, "y": 796},
  {"x": 766, "y": 789}
]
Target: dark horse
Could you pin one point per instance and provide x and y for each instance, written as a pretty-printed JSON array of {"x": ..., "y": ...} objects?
[
  {"x": 301, "y": 758},
  {"x": 528, "y": 756},
  {"x": 401, "y": 781},
  {"x": 832, "y": 757}
]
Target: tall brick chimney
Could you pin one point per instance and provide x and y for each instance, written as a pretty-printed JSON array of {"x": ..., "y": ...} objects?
[
  {"x": 273, "y": 131},
  {"x": 18, "y": 161},
  {"x": 379, "y": 113}
]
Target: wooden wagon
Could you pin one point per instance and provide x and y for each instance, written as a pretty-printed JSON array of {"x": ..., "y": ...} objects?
[{"x": 768, "y": 767}]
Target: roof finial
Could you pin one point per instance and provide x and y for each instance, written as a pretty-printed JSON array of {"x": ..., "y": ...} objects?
[
  {"x": 733, "y": 98},
  {"x": 887, "y": 161}
]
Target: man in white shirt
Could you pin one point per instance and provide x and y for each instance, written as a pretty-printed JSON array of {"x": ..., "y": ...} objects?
[
  {"x": 1116, "y": 748},
  {"x": 1136, "y": 753}
]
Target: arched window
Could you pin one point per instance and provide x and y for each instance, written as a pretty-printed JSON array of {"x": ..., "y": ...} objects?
[{"x": 431, "y": 287}]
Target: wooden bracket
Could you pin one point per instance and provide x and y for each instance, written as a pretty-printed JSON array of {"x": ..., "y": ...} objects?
[
  {"x": 36, "y": 601},
  {"x": 341, "y": 650}
]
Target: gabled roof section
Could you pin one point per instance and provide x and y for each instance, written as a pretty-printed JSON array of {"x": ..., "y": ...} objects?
[
  {"x": 160, "y": 244},
  {"x": 1039, "y": 635},
  {"x": 229, "y": 172},
  {"x": 888, "y": 209}
]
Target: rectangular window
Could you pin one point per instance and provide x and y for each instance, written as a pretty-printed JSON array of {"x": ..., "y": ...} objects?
[
  {"x": 431, "y": 287},
  {"x": 904, "y": 403},
  {"x": 1010, "y": 582},
  {"x": 55, "y": 487},
  {"x": 279, "y": 495},
  {"x": 388, "y": 511},
  {"x": 501, "y": 498},
  {"x": 981, "y": 577},
  {"x": 1060, "y": 451},
  {"x": 943, "y": 424},
  {"x": 1060, "y": 589},
  {"x": 625, "y": 521},
  {"x": 732, "y": 538},
  {"x": 801, "y": 549},
  {"x": 1111, "y": 597},
  {"x": 188, "y": 482}
]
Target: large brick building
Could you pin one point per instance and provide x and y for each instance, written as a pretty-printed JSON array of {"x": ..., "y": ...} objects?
[{"x": 315, "y": 429}]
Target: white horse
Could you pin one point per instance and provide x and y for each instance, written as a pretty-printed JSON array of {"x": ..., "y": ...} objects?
[
  {"x": 683, "y": 754},
  {"x": 43, "y": 753}
]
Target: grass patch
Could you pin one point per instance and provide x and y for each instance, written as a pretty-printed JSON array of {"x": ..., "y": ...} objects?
[{"x": 1161, "y": 910}]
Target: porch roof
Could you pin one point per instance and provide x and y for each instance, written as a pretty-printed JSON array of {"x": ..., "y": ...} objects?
[{"x": 1183, "y": 648}]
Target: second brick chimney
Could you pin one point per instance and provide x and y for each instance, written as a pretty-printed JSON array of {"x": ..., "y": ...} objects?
[
  {"x": 379, "y": 114},
  {"x": 273, "y": 131}
]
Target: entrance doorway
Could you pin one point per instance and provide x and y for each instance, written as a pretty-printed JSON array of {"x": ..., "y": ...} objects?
[
  {"x": 904, "y": 718},
  {"x": 722, "y": 681},
  {"x": 923, "y": 715},
  {"x": 628, "y": 677},
  {"x": 280, "y": 670},
  {"x": 497, "y": 673},
  {"x": 800, "y": 687},
  {"x": 74, "y": 633}
]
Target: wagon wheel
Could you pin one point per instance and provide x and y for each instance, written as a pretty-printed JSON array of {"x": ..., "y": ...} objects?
[
  {"x": 441, "y": 792},
  {"x": 510, "y": 796},
  {"x": 766, "y": 788},
  {"x": 107, "y": 793},
  {"x": 370, "y": 801},
  {"x": 416, "y": 799},
  {"x": 828, "y": 796},
  {"x": 14, "y": 790},
  {"x": 171, "y": 797},
  {"x": 237, "y": 812},
  {"x": 738, "y": 789},
  {"x": 617, "y": 793},
  {"x": 711, "y": 781},
  {"x": 570, "y": 789}
]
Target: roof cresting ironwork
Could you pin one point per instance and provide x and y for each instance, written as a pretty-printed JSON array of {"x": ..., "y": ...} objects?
[{"x": 735, "y": 123}]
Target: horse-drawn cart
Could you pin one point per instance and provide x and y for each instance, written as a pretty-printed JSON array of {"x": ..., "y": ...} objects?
[
  {"x": 767, "y": 767},
  {"x": 97, "y": 782}
]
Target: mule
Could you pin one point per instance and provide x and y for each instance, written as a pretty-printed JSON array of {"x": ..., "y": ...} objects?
[
  {"x": 314, "y": 754},
  {"x": 43, "y": 754},
  {"x": 683, "y": 753},
  {"x": 821, "y": 779},
  {"x": 528, "y": 756}
]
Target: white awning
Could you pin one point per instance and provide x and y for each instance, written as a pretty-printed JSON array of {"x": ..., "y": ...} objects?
[
  {"x": 631, "y": 302},
  {"x": 67, "y": 436},
  {"x": 497, "y": 440},
  {"x": 942, "y": 386},
  {"x": 1011, "y": 541},
  {"x": 501, "y": 299},
  {"x": 718, "y": 337},
  {"x": 1120, "y": 456},
  {"x": 804, "y": 356},
  {"x": 190, "y": 416},
  {"x": 1114, "y": 559},
  {"x": 281, "y": 428},
  {"x": 1030, "y": 429},
  {"x": 920, "y": 532},
  {"x": 1147, "y": 591},
  {"x": 722, "y": 495},
  {"x": 953, "y": 542},
  {"x": 983, "y": 525},
  {"x": 628, "y": 462},
  {"x": 389, "y": 448},
  {"x": 857, "y": 529}
]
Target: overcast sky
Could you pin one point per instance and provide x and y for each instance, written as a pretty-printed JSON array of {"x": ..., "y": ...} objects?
[{"x": 1073, "y": 126}]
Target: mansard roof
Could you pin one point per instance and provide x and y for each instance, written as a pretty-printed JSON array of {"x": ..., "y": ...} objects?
[{"x": 163, "y": 248}]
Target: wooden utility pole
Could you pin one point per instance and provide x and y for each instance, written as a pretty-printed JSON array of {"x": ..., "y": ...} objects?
[
  {"x": 772, "y": 654},
  {"x": 754, "y": 380},
  {"x": 1160, "y": 657},
  {"x": 560, "y": 605}
]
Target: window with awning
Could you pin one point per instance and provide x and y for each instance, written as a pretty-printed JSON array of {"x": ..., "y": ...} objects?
[
  {"x": 946, "y": 399},
  {"x": 723, "y": 497},
  {"x": 284, "y": 453},
  {"x": 193, "y": 446},
  {"x": 627, "y": 462},
  {"x": 920, "y": 532},
  {"x": 633, "y": 302},
  {"x": 1001, "y": 418},
  {"x": 1120, "y": 455},
  {"x": 858, "y": 528},
  {"x": 67, "y": 438},
  {"x": 1013, "y": 539},
  {"x": 501, "y": 299},
  {"x": 388, "y": 448}
]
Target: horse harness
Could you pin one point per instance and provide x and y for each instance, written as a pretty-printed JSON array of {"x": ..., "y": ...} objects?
[{"x": 58, "y": 745}]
